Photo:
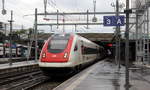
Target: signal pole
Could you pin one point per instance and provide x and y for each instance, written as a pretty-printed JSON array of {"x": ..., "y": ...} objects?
[
  {"x": 10, "y": 39},
  {"x": 35, "y": 33},
  {"x": 118, "y": 33},
  {"x": 116, "y": 56}
]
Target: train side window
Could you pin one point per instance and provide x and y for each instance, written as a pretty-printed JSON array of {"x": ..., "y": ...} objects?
[{"x": 76, "y": 47}]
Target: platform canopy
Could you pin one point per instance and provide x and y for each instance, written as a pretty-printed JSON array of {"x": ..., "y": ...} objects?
[{"x": 98, "y": 36}]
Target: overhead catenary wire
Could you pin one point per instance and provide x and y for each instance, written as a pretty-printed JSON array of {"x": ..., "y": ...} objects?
[
  {"x": 52, "y": 3},
  {"x": 68, "y": 18}
]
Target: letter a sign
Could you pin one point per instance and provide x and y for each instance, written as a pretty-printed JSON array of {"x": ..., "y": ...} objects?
[{"x": 113, "y": 20}]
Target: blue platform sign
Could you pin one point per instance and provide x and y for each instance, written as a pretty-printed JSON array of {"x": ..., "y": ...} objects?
[{"x": 113, "y": 20}]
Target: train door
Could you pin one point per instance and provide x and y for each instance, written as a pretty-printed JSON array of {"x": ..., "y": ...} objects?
[
  {"x": 1, "y": 50},
  {"x": 82, "y": 51}
]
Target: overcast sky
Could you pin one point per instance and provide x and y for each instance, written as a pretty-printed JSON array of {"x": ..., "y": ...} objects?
[{"x": 27, "y": 7}]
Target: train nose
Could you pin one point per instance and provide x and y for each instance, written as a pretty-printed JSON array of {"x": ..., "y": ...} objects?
[
  {"x": 44, "y": 55},
  {"x": 54, "y": 56},
  {"x": 60, "y": 56},
  {"x": 49, "y": 57}
]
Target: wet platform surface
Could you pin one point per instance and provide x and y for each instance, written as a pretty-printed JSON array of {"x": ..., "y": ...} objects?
[{"x": 105, "y": 76}]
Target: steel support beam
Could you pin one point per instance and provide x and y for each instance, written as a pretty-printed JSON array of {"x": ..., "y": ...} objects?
[
  {"x": 82, "y": 13},
  {"x": 42, "y": 24}
]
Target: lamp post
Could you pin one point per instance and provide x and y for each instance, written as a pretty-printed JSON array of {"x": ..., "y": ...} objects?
[
  {"x": 127, "y": 11},
  {"x": 117, "y": 7}
]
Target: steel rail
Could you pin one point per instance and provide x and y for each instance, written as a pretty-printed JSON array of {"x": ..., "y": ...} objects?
[{"x": 24, "y": 81}]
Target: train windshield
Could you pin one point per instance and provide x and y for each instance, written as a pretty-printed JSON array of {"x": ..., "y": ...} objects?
[{"x": 58, "y": 43}]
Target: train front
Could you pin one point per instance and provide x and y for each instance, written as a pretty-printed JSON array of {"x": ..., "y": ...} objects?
[{"x": 55, "y": 55}]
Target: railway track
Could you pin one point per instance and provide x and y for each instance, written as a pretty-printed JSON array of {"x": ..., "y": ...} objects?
[
  {"x": 27, "y": 78},
  {"x": 22, "y": 82}
]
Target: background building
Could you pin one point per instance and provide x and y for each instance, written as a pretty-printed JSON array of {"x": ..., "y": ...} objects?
[{"x": 142, "y": 29}]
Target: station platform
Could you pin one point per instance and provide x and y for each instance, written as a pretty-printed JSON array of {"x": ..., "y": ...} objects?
[
  {"x": 18, "y": 64},
  {"x": 105, "y": 75},
  {"x": 14, "y": 59}
]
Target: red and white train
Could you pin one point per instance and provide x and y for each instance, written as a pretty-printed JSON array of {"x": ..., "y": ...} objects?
[{"x": 66, "y": 53}]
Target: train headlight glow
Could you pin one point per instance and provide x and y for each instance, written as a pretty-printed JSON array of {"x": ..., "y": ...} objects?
[
  {"x": 44, "y": 55},
  {"x": 65, "y": 55}
]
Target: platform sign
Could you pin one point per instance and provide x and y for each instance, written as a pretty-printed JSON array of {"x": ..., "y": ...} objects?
[{"x": 113, "y": 20}]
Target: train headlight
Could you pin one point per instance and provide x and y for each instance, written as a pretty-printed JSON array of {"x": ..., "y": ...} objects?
[
  {"x": 65, "y": 55},
  {"x": 44, "y": 55}
]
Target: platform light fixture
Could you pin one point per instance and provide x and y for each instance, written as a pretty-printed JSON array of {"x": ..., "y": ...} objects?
[
  {"x": 94, "y": 19},
  {"x": 3, "y": 7}
]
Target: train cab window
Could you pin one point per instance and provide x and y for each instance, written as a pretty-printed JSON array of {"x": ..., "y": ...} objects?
[
  {"x": 76, "y": 47},
  {"x": 58, "y": 43}
]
